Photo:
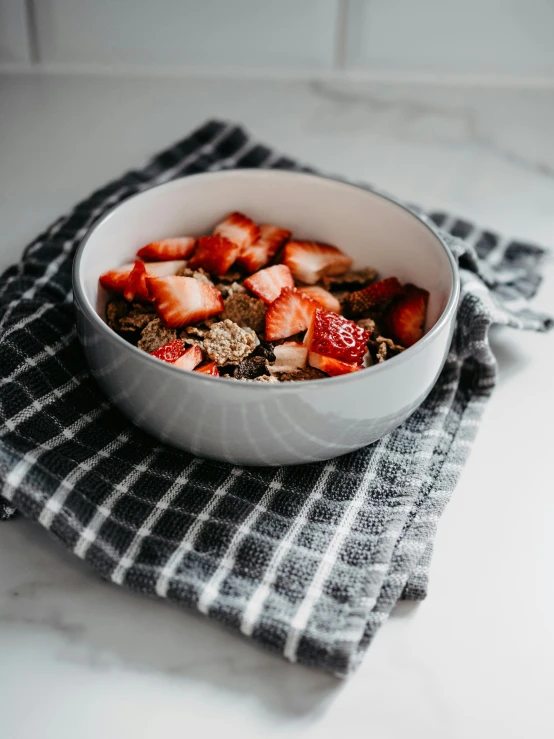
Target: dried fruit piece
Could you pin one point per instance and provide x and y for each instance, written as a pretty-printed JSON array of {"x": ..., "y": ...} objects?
[
  {"x": 170, "y": 352},
  {"x": 362, "y": 300},
  {"x": 331, "y": 335},
  {"x": 323, "y": 297},
  {"x": 257, "y": 255},
  {"x": 330, "y": 365},
  {"x": 215, "y": 254},
  {"x": 309, "y": 261},
  {"x": 210, "y": 368},
  {"x": 268, "y": 283},
  {"x": 405, "y": 317},
  {"x": 289, "y": 357},
  {"x": 250, "y": 368},
  {"x": 239, "y": 229},
  {"x": 166, "y": 249},
  {"x": 190, "y": 359},
  {"x": 183, "y": 300},
  {"x": 288, "y": 315}
]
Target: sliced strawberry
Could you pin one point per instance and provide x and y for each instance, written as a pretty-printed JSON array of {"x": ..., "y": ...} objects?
[
  {"x": 405, "y": 316},
  {"x": 239, "y": 229},
  {"x": 183, "y": 300},
  {"x": 308, "y": 261},
  {"x": 170, "y": 352},
  {"x": 179, "y": 248},
  {"x": 268, "y": 283},
  {"x": 215, "y": 254},
  {"x": 361, "y": 300},
  {"x": 289, "y": 357},
  {"x": 288, "y": 315},
  {"x": 116, "y": 279},
  {"x": 330, "y": 365},
  {"x": 192, "y": 357},
  {"x": 258, "y": 254},
  {"x": 210, "y": 368},
  {"x": 331, "y": 335},
  {"x": 322, "y": 296},
  {"x": 136, "y": 282}
]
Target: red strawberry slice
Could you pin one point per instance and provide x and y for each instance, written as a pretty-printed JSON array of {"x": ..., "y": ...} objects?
[
  {"x": 208, "y": 369},
  {"x": 170, "y": 352},
  {"x": 331, "y": 335},
  {"x": 215, "y": 254},
  {"x": 361, "y": 300},
  {"x": 268, "y": 283},
  {"x": 405, "y": 317},
  {"x": 308, "y": 261},
  {"x": 289, "y": 357},
  {"x": 116, "y": 279},
  {"x": 183, "y": 300},
  {"x": 161, "y": 251},
  {"x": 239, "y": 229},
  {"x": 330, "y": 365},
  {"x": 258, "y": 254},
  {"x": 192, "y": 357},
  {"x": 289, "y": 314},
  {"x": 322, "y": 296},
  {"x": 136, "y": 282}
]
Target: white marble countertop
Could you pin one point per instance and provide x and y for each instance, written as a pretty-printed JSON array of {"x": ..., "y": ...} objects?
[{"x": 82, "y": 658}]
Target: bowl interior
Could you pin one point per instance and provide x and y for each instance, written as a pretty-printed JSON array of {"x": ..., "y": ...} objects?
[{"x": 373, "y": 230}]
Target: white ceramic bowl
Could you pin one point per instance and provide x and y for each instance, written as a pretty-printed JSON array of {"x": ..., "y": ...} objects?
[{"x": 258, "y": 423}]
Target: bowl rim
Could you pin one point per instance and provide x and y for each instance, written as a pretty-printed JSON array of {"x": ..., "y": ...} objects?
[{"x": 81, "y": 298}]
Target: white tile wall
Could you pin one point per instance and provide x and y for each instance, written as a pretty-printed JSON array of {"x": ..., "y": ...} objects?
[
  {"x": 445, "y": 38},
  {"x": 219, "y": 33},
  {"x": 14, "y": 45},
  {"x": 505, "y": 37}
]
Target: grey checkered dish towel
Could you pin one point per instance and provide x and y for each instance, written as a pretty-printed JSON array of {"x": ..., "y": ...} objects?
[{"x": 308, "y": 561}]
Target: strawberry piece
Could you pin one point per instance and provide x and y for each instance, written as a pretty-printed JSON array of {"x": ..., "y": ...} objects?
[
  {"x": 215, "y": 254},
  {"x": 361, "y": 300},
  {"x": 192, "y": 357},
  {"x": 289, "y": 314},
  {"x": 170, "y": 352},
  {"x": 208, "y": 369},
  {"x": 268, "y": 283},
  {"x": 258, "y": 254},
  {"x": 136, "y": 282},
  {"x": 183, "y": 300},
  {"x": 308, "y": 260},
  {"x": 161, "y": 251},
  {"x": 322, "y": 296},
  {"x": 405, "y": 316},
  {"x": 117, "y": 279},
  {"x": 331, "y": 335},
  {"x": 289, "y": 357},
  {"x": 330, "y": 365},
  {"x": 239, "y": 229}
]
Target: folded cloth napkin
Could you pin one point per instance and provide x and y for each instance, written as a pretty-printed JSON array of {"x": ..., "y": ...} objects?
[{"x": 307, "y": 561}]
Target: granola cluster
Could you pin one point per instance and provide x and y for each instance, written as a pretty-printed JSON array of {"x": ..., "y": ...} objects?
[{"x": 250, "y": 303}]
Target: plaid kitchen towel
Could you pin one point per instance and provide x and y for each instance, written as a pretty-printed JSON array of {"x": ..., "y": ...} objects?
[{"x": 307, "y": 561}]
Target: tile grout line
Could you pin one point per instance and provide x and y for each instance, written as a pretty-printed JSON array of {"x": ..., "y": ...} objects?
[{"x": 32, "y": 33}]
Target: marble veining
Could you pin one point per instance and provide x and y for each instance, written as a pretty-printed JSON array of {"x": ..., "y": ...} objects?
[{"x": 82, "y": 657}]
